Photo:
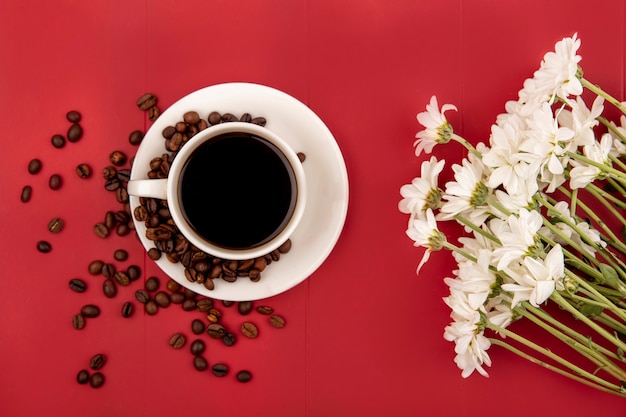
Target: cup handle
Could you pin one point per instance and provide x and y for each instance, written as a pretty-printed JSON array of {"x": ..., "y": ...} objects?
[{"x": 156, "y": 188}]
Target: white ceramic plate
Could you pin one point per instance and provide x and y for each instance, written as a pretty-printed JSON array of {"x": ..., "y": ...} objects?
[{"x": 324, "y": 168}]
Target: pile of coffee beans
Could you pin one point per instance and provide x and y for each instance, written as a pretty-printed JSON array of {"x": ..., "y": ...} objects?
[{"x": 95, "y": 379}]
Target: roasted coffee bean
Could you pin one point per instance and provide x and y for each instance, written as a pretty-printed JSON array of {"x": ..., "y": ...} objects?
[
  {"x": 95, "y": 267},
  {"x": 122, "y": 229},
  {"x": 97, "y": 361},
  {"x": 123, "y": 175},
  {"x": 173, "y": 286},
  {"x": 152, "y": 284},
  {"x": 146, "y": 101},
  {"x": 118, "y": 158},
  {"x": 109, "y": 220},
  {"x": 214, "y": 118},
  {"x": 227, "y": 303},
  {"x": 121, "y": 195},
  {"x": 246, "y": 118},
  {"x": 120, "y": 255},
  {"x": 83, "y": 171},
  {"x": 82, "y": 377},
  {"x": 249, "y": 330},
  {"x": 108, "y": 270},
  {"x": 127, "y": 309},
  {"x": 122, "y": 278},
  {"x": 55, "y": 225},
  {"x": 178, "y": 298},
  {"x": 244, "y": 307},
  {"x": 162, "y": 299},
  {"x": 73, "y": 116},
  {"x": 74, "y": 133},
  {"x": 208, "y": 284},
  {"x": 168, "y": 132},
  {"x": 265, "y": 310},
  {"x": 78, "y": 322},
  {"x": 204, "y": 305},
  {"x": 200, "y": 363},
  {"x": 133, "y": 272},
  {"x": 96, "y": 380},
  {"x": 191, "y": 117},
  {"x": 109, "y": 288},
  {"x": 154, "y": 254},
  {"x": 189, "y": 305},
  {"x": 43, "y": 246},
  {"x": 109, "y": 173},
  {"x": 121, "y": 216},
  {"x": 219, "y": 369},
  {"x": 151, "y": 308},
  {"x": 27, "y": 192},
  {"x": 197, "y": 347},
  {"x": 135, "y": 137},
  {"x": 277, "y": 321},
  {"x": 153, "y": 113},
  {"x": 244, "y": 376},
  {"x": 260, "y": 264},
  {"x": 90, "y": 311},
  {"x": 101, "y": 230},
  {"x": 178, "y": 340},
  {"x": 78, "y": 285},
  {"x": 142, "y": 296},
  {"x": 55, "y": 182},
  {"x": 229, "y": 339},
  {"x": 58, "y": 141},
  {"x": 285, "y": 247},
  {"x": 301, "y": 156},
  {"x": 229, "y": 117},
  {"x": 197, "y": 326},
  {"x": 259, "y": 121},
  {"x": 34, "y": 166},
  {"x": 254, "y": 275},
  {"x": 112, "y": 184}
]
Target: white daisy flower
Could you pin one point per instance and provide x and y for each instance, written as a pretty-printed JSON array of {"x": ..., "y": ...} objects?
[
  {"x": 438, "y": 130},
  {"x": 583, "y": 174},
  {"x": 518, "y": 240},
  {"x": 423, "y": 192},
  {"x": 508, "y": 167},
  {"x": 582, "y": 120},
  {"x": 557, "y": 74},
  {"x": 425, "y": 233}
]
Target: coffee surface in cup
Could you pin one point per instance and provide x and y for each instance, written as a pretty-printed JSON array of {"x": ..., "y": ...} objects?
[{"x": 237, "y": 191}]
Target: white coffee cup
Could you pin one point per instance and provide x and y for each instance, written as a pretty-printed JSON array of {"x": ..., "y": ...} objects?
[{"x": 177, "y": 192}]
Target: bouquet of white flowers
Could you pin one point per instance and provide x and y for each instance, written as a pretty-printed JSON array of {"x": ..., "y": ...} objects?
[{"x": 541, "y": 223}]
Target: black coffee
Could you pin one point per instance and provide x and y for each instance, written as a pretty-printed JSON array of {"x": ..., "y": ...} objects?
[{"x": 237, "y": 191}]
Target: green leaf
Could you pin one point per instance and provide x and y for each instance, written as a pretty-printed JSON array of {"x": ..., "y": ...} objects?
[{"x": 590, "y": 310}]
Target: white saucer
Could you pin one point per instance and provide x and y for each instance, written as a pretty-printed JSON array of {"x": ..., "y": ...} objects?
[{"x": 324, "y": 168}]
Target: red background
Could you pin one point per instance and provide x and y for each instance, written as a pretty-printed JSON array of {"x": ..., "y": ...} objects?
[{"x": 364, "y": 333}]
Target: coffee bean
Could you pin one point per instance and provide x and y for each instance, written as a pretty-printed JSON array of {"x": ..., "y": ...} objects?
[
  {"x": 249, "y": 330},
  {"x": 101, "y": 230},
  {"x": 244, "y": 376},
  {"x": 200, "y": 363},
  {"x": 191, "y": 117},
  {"x": 219, "y": 369},
  {"x": 152, "y": 284},
  {"x": 97, "y": 361},
  {"x": 74, "y": 133},
  {"x": 229, "y": 339},
  {"x": 109, "y": 173},
  {"x": 73, "y": 116},
  {"x": 146, "y": 101},
  {"x": 83, "y": 171},
  {"x": 154, "y": 254},
  {"x": 301, "y": 156},
  {"x": 109, "y": 288},
  {"x": 78, "y": 321},
  {"x": 153, "y": 113},
  {"x": 109, "y": 220},
  {"x": 162, "y": 299},
  {"x": 178, "y": 340},
  {"x": 108, "y": 270},
  {"x": 118, "y": 158},
  {"x": 216, "y": 331},
  {"x": 55, "y": 225},
  {"x": 259, "y": 121},
  {"x": 133, "y": 272},
  {"x": 173, "y": 286},
  {"x": 122, "y": 229},
  {"x": 197, "y": 347},
  {"x": 189, "y": 305},
  {"x": 142, "y": 296},
  {"x": 227, "y": 303},
  {"x": 90, "y": 311},
  {"x": 112, "y": 184},
  {"x": 123, "y": 175},
  {"x": 204, "y": 305},
  {"x": 244, "y": 307},
  {"x": 55, "y": 182},
  {"x": 27, "y": 192},
  {"x": 34, "y": 166},
  {"x": 78, "y": 285},
  {"x": 127, "y": 309},
  {"x": 82, "y": 377},
  {"x": 43, "y": 246},
  {"x": 229, "y": 117},
  {"x": 135, "y": 137},
  {"x": 95, "y": 267},
  {"x": 265, "y": 310},
  {"x": 120, "y": 255},
  {"x": 246, "y": 118},
  {"x": 58, "y": 141},
  {"x": 277, "y": 321},
  {"x": 179, "y": 298},
  {"x": 214, "y": 118},
  {"x": 285, "y": 247},
  {"x": 151, "y": 308},
  {"x": 197, "y": 326},
  {"x": 96, "y": 380}
]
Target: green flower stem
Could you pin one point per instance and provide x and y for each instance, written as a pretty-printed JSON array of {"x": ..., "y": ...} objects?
[
  {"x": 617, "y": 162},
  {"x": 466, "y": 144},
  {"x": 612, "y": 172},
  {"x": 610, "y": 126},
  {"x": 597, "y": 90},
  {"x": 608, "y": 196},
  {"x": 610, "y": 388},
  {"x": 552, "y": 355},
  {"x": 612, "y": 323},
  {"x": 593, "y": 292},
  {"x": 460, "y": 251},
  {"x": 558, "y": 298},
  {"x": 618, "y": 187},
  {"x": 468, "y": 223}
]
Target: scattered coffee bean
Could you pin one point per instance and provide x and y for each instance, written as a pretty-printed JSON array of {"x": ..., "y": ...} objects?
[
  {"x": 153, "y": 113},
  {"x": 178, "y": 340},
  {"x": 58, "y": 141},
  {"x": 27, "y": 192},
  {"x": 73, "y": 116},
  {"x": 200, "y": 363},
  {"x": 118, "y": 158},
  {"x": 152, "y": 284},
  {"x": 43, "y": 246},
  {"x": 55, "y": 182},
  {"x": 197, "y": 326},
  {"x": 97, "y": 361},
  {"x": 95, "y": 267},
  {"x": 78, "y": 285},
  {"x": 277, "y": 321},
  {"x": 133, "y": 272},
  {"x": 109, "y": 173},
  {"x": 265, "y": 310},
  {"x": 142, "y": 296},
  {"x": 227, "y": 303},
  {"x": 108, "y": 270},
  {"x": 96, "y": 380},
  {"x": 151, "y": 308},
  {"x": 109, "y": 219},
  {"x": 34, "y": 166},
  {"x": 197, "y": 347},
  {"x": 229, "y": 117},
  {"x": 55, "y": 225},
  {"x": 259, "y": 121},
  {"x": 122, "y": 278},
  {"x": 146, "y": 101},
  {"x": 127, "y": 309},
  {"x": 90, "y": 311},
  {"x": 216, "y": 331},
  {"x": 244, "y": 376},
  {"x": 191, "y": 117},
  {"x": 112, "y": 184},
  {"x": 229, "y": 339},
  {"x": 162, "y": 299},
  {"x": 78, "y": 321},
  {"x": 123, "y": 175},
  {"x": 219, "y": 369},
  {"x": 101, "y": 230},
  {"x": 285, "y": 247},
  {"x": 122, "y": 229},
  {"x": 83, "y": 171},
  {"x": 74, "y": 133},
  {"x": 189, "y": 305},
  {"x": 204, "y": 305},
  {"x": 178, "y": 298},
  {"x": 244, "y": 307},
  {"x": 301, "y": 156},
  {"x": 135, "y": 137},
  {"x": 109, "y": 288},
  {"x": 154, "y": 254},
  {"x": 249, "y": 330},
  {"x": 120, "y": 255},
  {"x": 173, "y": 286},
  {"x": 82, "y": 377}
]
